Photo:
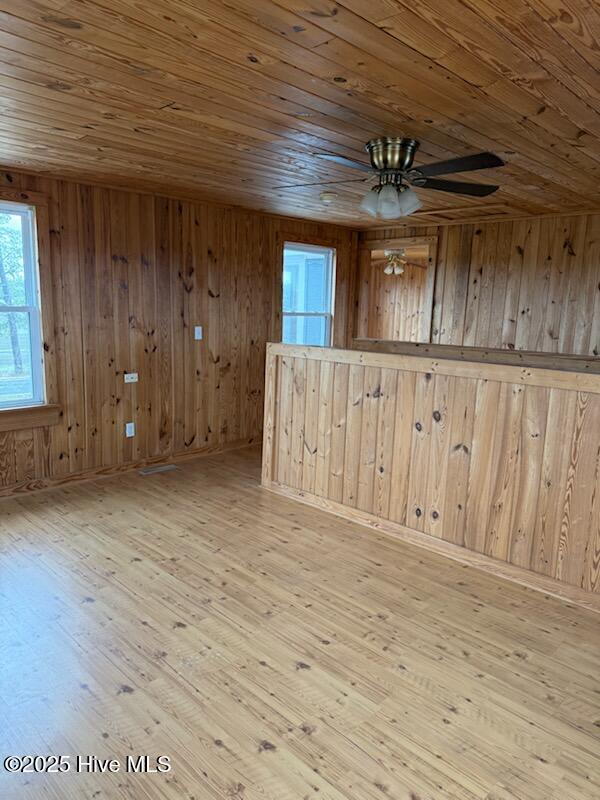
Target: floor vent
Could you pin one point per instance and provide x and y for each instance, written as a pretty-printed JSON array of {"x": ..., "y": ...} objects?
[{"x": 157, "y": 468}]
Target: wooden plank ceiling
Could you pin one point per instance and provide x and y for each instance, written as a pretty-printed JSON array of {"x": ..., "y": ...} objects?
[{"x": 231, "y": 100}]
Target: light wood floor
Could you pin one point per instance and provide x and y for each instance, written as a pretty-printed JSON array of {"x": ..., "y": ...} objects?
[{"x": 275, "y": 652}]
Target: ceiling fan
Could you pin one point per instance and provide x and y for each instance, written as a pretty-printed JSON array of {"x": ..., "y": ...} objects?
[
  {"x": 392, "y": 162},
  {"x": 395, "y": 262}
]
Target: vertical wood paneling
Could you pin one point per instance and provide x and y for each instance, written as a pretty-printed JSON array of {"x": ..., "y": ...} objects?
[
  {"x": 24, "y": 455},
  {"x": 92, "y": 384},
  {"x": 283, "y": 434},
  {"x": 311, "y": 426},
  {"x": 297, "y": 439},
  {"x": 397, "y": 307},
  {"x": 366, "y": 294},
  {"x": 453, "y": 279},
  {"x": 580, "y": 524},
  {"x": 587, "y": 317},
  {"x": 57, "y": 323},
  {"x": 339, "y": 415},
  {"x": 394, "y": 306},
  {"x": 509, "y": 470},
  {"x": 533, "y": 436},
  {"x": 7, "y": 458},
  {"x": 368, "y": 438},
  {"x": 385, "y": 443},
  {"x": 103, "y": 335},
  {"x": 460, "y": 423},
  {"x": 503, "y": 311},
  {"x": 508, "y": 306},
  {"x": 354, "y": 411},
  {"x": 525, "y": 252},
  {"x": 272, "y": 390},
  {"x": 164, "y": 311},
  {"x": 505, "y": 471},
  {"x": 123, "y": 405},
  {"x": 212, "y": 352},
  {"x": 526, "y": 285},
  {"x": 402, "y": 435},
  {"x": 125, "y": 278},
  {"x": 439, "y": 455},
  {"x": 420, "y": 451},
  {"x": 489, "y": 412},
  {"x": 324, "y": 428},
  {"x": 553, "y": 479}
]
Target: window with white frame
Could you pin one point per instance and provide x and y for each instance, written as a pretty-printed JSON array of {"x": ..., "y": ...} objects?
[
  {"x": 308, "y": 289},
  {"x": 21, "y": 351}
]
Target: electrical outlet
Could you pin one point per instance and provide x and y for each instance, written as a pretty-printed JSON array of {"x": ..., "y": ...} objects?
[
  {"x": 129, "y": 429},
  {"x": 198, "y": 332},
  {"x": 131, "y": 377}
]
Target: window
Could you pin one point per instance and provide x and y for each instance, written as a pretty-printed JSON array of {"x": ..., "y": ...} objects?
[
  {"x": 308, "y": 282},
  {"x": 21, "y": 367}
]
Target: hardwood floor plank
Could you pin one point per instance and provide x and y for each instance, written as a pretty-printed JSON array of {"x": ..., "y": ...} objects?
[{"x": 276, "y": 652}]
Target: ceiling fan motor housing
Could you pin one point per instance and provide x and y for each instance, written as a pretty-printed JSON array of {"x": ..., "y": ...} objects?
[{"x": 392, "y": 153}]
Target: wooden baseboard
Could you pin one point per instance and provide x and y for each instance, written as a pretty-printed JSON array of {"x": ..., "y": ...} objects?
[
  {"x": 40, "y": 484},
  {"x": 540, "y": 583}
]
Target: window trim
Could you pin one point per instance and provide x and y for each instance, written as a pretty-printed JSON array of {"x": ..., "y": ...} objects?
[
  {"x": 329, "y": 316},
  {"x": 51, "y": 412},
  {"x": 27, "y": 417},
  {"x": 27, "y": 211}
]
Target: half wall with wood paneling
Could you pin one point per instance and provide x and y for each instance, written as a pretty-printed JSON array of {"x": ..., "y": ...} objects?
[
  {"x": 126, "y": 277},
  {"x": 528, "y": 285},
  {"x": 500, "y": 460}
]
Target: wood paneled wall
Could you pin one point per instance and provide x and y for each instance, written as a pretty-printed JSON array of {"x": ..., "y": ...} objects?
[
  {"x": 394, "y": 307},
  {"x": 496, "y": 459},
  {"x": 527, "y": 285},
  {"x": 130, "y": 276}
]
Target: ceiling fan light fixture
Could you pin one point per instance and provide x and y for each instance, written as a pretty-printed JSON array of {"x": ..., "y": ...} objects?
[
  {"x": 388, "y": 205},
  {"x": 408, "y": 202},
  {"x": 370, "y": 201},
  {"x": 390, "y": 201},
  {"x": 396, "y": 262}
]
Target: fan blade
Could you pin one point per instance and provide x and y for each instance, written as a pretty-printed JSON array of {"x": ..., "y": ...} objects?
[
  {"x": 462, "y": 164},
  {"x": 458, "y": 187},
  {"x": 320, "y": 183},
  {"x": 345, "y": 162}
]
